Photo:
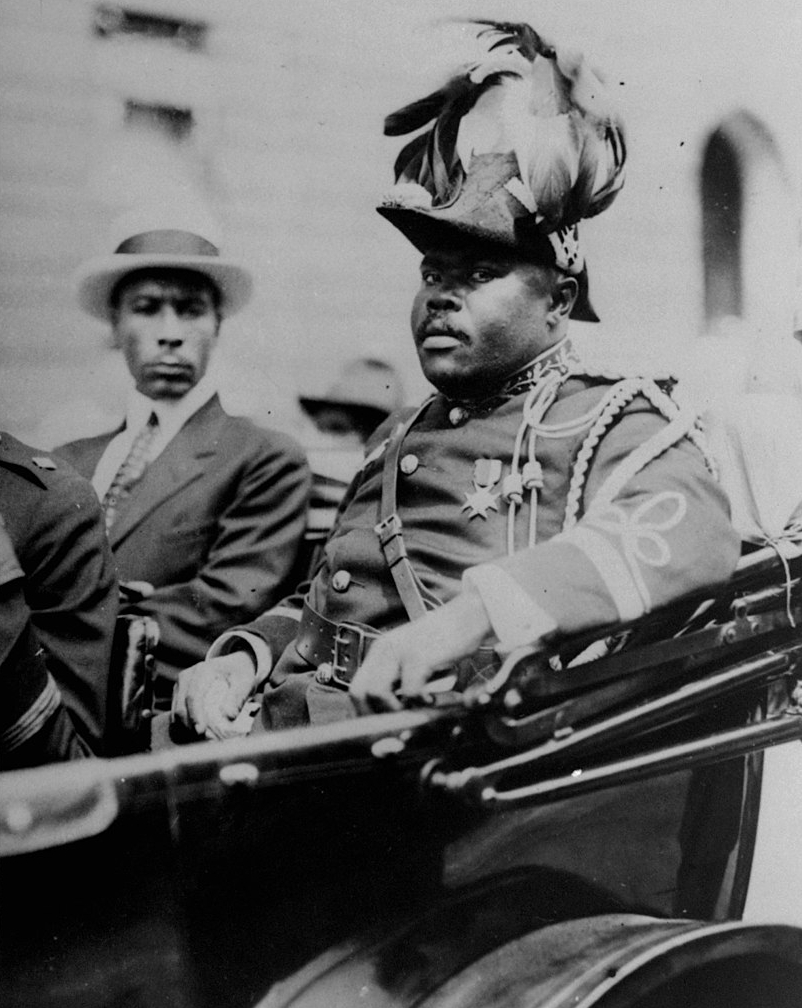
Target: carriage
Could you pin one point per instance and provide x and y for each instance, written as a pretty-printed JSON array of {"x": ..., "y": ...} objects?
[{"x": 579, "y": 830}]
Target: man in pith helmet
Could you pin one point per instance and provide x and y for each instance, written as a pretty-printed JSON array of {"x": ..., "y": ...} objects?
[
  {"x": 204, "y": 511},
  {"x": 366, "y": 392},
  {"x": 531, "y": 497},
  {"x": 344, "y": 416}
]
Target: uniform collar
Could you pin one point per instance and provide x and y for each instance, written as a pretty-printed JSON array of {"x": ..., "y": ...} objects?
[{"x": 560, "y": 359}]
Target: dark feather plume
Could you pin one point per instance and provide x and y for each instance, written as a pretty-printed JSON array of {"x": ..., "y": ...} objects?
[{"x": 523, "y": 95}]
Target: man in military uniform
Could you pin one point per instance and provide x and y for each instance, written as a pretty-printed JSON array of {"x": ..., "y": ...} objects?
[
  {"x": 58, "y": 597},
  {"x": 34, "y": 725},
  {"x": 532, "y": 496}
]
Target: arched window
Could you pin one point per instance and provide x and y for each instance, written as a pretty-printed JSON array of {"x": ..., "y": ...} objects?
[
  {"x": 748, "y": 227},
  {"x": 722, "y": 220}
]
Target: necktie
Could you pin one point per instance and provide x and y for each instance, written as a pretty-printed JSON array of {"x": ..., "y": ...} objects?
[{"x": 130, "y": 472}]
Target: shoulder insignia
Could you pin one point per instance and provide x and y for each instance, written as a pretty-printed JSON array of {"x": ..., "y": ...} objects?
[{"x": 43, "y": 462}]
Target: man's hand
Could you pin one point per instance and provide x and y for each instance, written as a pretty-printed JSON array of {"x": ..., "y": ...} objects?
[
  {"x": 209, "y": 696},
  {"x": 406, "y": 658}
]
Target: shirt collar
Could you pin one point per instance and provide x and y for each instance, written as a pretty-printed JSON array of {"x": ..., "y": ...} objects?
[{"x": 172, "y": 413}]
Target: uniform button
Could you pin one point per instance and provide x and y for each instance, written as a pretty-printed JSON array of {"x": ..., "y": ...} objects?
[
  {"x": 340, "y": 581},
  {"x": 409, "y": 463},
  {"x": 457, "y": 416}
]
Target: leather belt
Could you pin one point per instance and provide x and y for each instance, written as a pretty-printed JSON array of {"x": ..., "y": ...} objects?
[{"x": 336, "y": 650}]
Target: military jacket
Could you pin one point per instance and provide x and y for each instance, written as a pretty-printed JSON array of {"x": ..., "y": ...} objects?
[
  {"x": 53, "y": 522},
  {"x": 617, "y": 513},
  {"x": 34, "y": 726}
]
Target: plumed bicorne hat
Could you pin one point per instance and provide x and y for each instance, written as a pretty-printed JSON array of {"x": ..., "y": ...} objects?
[
  {"x": 151, "y": 238},
  {"x": 521, "y": 146}
]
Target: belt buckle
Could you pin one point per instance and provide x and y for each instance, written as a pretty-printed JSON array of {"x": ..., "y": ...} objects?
[{"x": 350, "y": 645}]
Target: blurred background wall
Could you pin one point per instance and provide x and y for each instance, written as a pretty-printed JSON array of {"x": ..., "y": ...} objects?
[{"x": 271, "y": 112}]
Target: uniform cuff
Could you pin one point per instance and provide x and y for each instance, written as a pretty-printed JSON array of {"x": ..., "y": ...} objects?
[
  {"x": 516, "y": 620},
  {"x": 33, "y": 719},
  {"x": 241, "y": 640}
]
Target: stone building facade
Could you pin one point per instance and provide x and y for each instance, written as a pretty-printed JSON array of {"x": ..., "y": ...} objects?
[{"x": 270, "y": 113}]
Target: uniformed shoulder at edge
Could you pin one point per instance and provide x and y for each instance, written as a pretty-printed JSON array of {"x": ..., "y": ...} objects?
[{"x": 23, "y": 458}]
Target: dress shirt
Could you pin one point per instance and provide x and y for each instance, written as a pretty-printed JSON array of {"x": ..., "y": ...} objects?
[{"x": 172, "y": 415}]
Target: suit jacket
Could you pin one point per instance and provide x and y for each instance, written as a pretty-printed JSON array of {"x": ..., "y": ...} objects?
[
  {"x": 55, "y": 528},
  {"x": 214, "y": 524}
]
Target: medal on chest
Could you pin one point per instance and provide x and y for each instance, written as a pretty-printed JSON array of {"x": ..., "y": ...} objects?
[{"x": 486, "y": 473}]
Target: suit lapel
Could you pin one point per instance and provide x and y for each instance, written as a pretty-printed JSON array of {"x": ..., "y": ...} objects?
[
  {"x": 184, "y": 460},
  {"x": 85, "y": 454}
]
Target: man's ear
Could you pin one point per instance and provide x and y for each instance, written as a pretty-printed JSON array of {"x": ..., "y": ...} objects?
[{"x": 564, "y": 294}]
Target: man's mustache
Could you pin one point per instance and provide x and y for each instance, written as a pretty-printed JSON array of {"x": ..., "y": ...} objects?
[
  {"x": 435, "y": 325},
  {"x": 171, "y": 363}
]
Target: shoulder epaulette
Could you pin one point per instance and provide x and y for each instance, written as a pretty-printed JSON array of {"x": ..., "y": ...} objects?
[{"x": 15, "y": 455}]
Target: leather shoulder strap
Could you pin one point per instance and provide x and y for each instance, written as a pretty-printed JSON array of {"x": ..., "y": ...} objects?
[{"x": 415, "y": 597}]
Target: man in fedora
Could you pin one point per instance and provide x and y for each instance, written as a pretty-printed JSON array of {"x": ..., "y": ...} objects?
[
  {"x": 204, "y": 511},
  {"x": 532, "y": 496}
]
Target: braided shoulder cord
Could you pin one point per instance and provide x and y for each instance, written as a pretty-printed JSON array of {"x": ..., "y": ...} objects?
[
  {"x": 617, "y": 398},
  {"x": 698, "y": 438},
  {"x": 682, "y": 423},
  {"x": 675, "y": 431},
  {"x": 530, "y": 475},
  {"x": 535, "y": 407}
]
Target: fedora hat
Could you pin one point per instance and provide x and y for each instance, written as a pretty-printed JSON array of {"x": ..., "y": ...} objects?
[
  {"x": 365, "y": 384},
  {"x": 144, "y": 240}
]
